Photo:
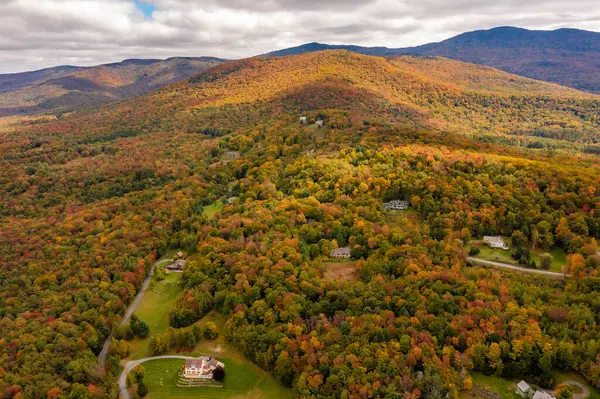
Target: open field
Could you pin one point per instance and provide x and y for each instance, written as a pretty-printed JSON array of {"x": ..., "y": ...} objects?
[
  {"x": 402, "y": 218},
  {"x": 500, "y": 255},
  {"x": 154, "y": 309},
  {"x": 504, "y": 389},
  {"x": 211, "y": 210},
  {"x": 242, "y": 380},
  {"x": 560, "y": 257},
  {"x": 340, "y": 271}
]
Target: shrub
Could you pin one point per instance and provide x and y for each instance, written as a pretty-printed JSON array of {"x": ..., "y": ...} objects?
[
  {"x": 474, "y": 251},
  {"x": 210, "y": 331}
]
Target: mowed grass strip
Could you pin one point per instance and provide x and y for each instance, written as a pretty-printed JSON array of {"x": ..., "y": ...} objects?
[
  {"x": 154, "y": 308},
  {"x": 241, "y": 380},
  {"x": 158, "y": 301}
]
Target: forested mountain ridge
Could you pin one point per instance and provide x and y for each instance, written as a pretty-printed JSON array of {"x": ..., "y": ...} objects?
[
  {"x": 65, "y": 88},
  {"x": 569, "y": 57},
  {"x": 90, "y": 200}
]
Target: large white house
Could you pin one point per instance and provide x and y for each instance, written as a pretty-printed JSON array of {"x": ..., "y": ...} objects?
[
  {"x": 340, "y": 253},
  {"x": 495, "y": 242},
  {"x": 202, "y": 367},
  {"x": 527, "y": 392},
  {"x": 396, "y": 205}
]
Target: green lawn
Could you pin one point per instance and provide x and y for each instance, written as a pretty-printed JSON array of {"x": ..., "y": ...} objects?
[
  {"x": 500, "y": 255},
  {"x": 561, "y": 377},
  {"x": 560, "y": 257},
  {"x": 154, "y": 308},
  {"x": 211, "y": 210},
  {"x": 506, "y": 388},
  {"x": 496, "y": 255},
  {"x": 242, "y": 380}
]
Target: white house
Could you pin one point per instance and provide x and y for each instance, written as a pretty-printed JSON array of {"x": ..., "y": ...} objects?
[
  {"x": 340, "y": 253},
  {"x": 202, "y": 367},
  {"x": 495, "y": 242},
  {"x": 396, "y": 205},
  {"x": 231, "y": 200},
  {"x": 303, "y": 120},
  {"x": 319, "y": 123},
  {"x": 543, "y": 395},
  {"x": 523, "y": 389}
]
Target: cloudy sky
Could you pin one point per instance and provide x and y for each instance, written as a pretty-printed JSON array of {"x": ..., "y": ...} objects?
[{"x": 42, "y": 33}]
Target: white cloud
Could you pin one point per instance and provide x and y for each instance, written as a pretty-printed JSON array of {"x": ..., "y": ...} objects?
[{"x": 42, "y": 33}]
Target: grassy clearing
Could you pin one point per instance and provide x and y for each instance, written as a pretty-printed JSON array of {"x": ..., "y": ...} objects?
[
  {"x": 154, "y": 309},
  {"x": 242, "y": 380},
  {"x": 409, "y": 217},
  {"x": 560, "y": 257},
  {"x": 340, "y": 271},
  {"x": 211, "y": 210},
  {"x": 562, "y": 377},
  {"x": 496, "y": 255},
  {"x": 482, "y": 384},
  {"x": 500, "y": 255}
]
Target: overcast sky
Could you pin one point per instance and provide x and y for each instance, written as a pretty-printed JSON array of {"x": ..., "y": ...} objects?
[{"x": 42, "y": 33}]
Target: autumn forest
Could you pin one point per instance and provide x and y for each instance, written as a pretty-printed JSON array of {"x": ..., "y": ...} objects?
[{"x": 92, "y": 199}]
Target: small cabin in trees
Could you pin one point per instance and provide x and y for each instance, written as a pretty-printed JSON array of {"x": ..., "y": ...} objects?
[
  {"x": 340, "y": 253},
  {"x": 303, "y": 120},
  {"x": 201, "y": 368},
  {"x": 495, "y": 242},
  {"x": 396, "y": 205},
  {"x": 179, "y": 263},
  {"x": 233, "y": 154},
  {"x": 231, "y": 200},
  {"x": 319, "y": 124}
]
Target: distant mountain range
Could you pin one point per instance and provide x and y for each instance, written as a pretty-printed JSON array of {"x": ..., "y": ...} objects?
[
  {"x": 64, "y": 88},
  {"x": 569, "y": 57}
]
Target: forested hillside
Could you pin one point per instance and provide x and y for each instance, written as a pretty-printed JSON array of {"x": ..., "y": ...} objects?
[
  {"x": 65, "y": 88},
  {"x": 570, "y": 57},
  {"x": 90, "y": 200}
]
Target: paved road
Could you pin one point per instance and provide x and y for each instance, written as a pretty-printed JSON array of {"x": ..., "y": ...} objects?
[
  {"x": 517, "y": 268},
  {"x": 130, "y": 310},
  {"x": 585, "y": 392},
  {"x": 131, "y": 365}
]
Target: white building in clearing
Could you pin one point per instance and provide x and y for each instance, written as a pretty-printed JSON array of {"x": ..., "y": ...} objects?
[
  {"x": 523, "y": 389},
  {"x": 543, "y": 395},
  {"x": 340, "y": 253},
  {"x": 303, "y": 120},
  {"x": 396, "y": 205},
  {"x": 495, "y": 242},
  {"x": 202, "y": 367},
  {"x": 319, "y": 123}
]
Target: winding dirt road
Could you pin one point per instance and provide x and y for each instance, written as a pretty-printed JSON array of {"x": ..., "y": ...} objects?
[{"x": 130, "y": 310}]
